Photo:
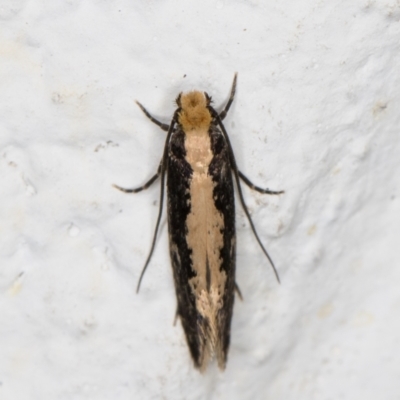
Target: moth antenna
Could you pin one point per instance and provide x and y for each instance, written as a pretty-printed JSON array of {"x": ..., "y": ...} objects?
[
  {"x": 241, "y": 198},
  {"x": 223, "y": 113}
]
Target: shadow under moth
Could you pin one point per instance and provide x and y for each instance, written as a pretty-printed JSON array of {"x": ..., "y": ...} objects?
[{"x": 200, "y": 169}]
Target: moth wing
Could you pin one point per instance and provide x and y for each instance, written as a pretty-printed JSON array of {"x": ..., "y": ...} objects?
[
  {"x": 205, "y": 335},
  {"x": 221, "y": 172}
]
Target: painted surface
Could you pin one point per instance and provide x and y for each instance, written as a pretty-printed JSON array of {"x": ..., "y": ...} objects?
[{"x": 316, "y": 114}]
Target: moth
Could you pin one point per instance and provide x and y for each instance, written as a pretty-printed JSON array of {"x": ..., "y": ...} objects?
[{"x": 200, "y": 169}]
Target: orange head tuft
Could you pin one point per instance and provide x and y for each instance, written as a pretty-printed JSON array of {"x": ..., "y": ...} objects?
[{"x": 194, "y": 114}]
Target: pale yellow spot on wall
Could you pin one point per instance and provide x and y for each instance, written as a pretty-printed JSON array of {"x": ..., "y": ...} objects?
[
  {"x": 325, "y": 311},
  {"x": 336, "y": 170},
  {"x": 312, "y": 229},
  {"x": 363, "y": 319},
  {"x": 19, "y": 360},
  {"x": 15, "y": 287},
  {"x": 379, "y": 108},
  {"x": 356, "y": 265}
]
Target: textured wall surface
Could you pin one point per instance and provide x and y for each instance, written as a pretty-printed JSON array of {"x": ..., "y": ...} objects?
[{"x": 316, "y": 114}]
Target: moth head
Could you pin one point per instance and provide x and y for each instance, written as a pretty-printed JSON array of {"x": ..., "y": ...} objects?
[{"x": 194, "y": 110}]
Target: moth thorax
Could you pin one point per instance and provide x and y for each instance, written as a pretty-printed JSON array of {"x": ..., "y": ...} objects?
[{"x": 194, "y": 114}]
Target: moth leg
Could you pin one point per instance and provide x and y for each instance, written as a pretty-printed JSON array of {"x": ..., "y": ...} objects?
[
  {"x": 223, "y": 113},
  {"x": 161, "y": 171},
  {"x": 246, "y": 211},
  {"x": 164, "y": 127},
  {"x": 257, "y": 188},
  {"x": 139, "y": 189},
  {"x": 144, "y": 187},
  {"x": 238, "y": 292}
]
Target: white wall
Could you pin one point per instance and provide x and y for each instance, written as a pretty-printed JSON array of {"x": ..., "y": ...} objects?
[{"x": 316, "y": 114}]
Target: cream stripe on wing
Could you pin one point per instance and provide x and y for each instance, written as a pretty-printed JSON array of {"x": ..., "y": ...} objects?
[{"x": 205, "y": 226}]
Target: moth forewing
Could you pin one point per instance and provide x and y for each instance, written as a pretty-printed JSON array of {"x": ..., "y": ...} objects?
[
  {"x": 201, "y": 229},
  {"x": 200, "y": 167}
]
